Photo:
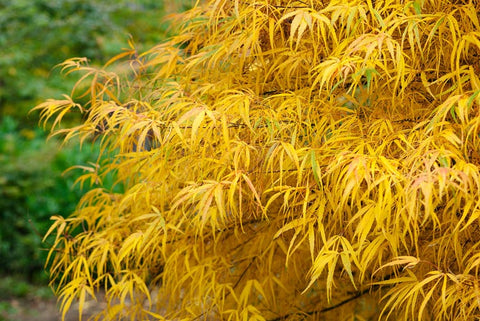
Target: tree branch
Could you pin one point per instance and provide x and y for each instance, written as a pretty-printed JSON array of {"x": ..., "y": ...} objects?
[{"x": 333, "y": 307}]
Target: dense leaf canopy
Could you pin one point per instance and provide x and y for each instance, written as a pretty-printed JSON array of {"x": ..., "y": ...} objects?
[{"x": 282, "y": 160}]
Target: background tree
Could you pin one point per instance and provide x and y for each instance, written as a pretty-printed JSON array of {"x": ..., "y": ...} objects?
[
  {"x": 38, "y": 34},
  {"x": 282, "y": 160}
]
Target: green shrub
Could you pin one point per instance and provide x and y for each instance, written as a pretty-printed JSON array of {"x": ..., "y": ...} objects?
[
  {"x": 32, "y": 188},
  {"x": 35, "y": 35}
]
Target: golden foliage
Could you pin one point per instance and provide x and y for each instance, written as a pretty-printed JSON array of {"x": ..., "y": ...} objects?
[{"x": 282, "y": 160}]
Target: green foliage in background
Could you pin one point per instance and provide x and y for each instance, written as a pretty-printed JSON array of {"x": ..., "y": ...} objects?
[
  {"x": 35, "y": 35},
  {"x": 32, "y": 188}
]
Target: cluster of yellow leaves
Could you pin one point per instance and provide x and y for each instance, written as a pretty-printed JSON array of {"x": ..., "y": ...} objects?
[{"x": 279, "y": 160}]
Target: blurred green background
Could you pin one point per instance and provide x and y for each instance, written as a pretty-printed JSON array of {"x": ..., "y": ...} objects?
[{"x": 36, "y": 35}]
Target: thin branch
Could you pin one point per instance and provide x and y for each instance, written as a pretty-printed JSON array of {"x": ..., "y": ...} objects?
[{"x": 335, "y": 306}]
